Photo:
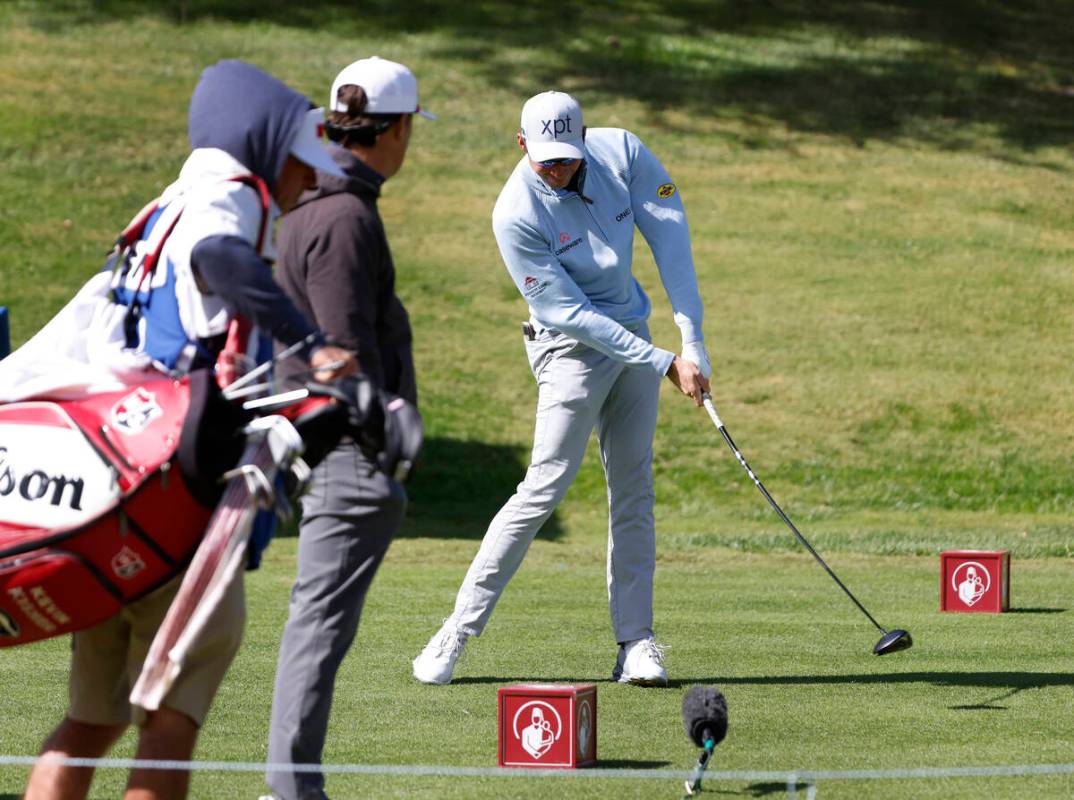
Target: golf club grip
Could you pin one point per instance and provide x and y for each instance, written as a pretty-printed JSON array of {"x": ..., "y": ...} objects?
[{"x": 707, "y": 400}]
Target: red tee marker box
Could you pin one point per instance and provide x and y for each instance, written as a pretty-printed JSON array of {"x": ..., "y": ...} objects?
[
  {"x": 547, "y": 725},
  {"x": 975, "y": 581}
]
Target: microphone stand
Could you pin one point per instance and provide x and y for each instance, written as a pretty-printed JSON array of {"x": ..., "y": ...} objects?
[{"x": 693, "y": 785}]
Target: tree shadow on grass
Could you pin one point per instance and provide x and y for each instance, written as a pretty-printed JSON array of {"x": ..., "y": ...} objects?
[
  {"x": 456, "y": 489},
  {"x": 893, "y": 69},
  {"x": 458, "y": 486}
]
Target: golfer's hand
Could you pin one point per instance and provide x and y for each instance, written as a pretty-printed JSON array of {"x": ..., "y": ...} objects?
[
  {"x": 686, "y": 375},
  {"x": 330, "y": 363},
  {"x": 696, "y": 352}
]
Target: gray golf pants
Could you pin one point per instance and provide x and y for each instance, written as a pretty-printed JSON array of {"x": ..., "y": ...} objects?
[
  {"x": 579, "y": 389},
  {"x": 348, "y": 520}
]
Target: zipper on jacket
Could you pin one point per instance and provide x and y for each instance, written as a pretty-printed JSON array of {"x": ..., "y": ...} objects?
[{"x": 596, "y": 223}]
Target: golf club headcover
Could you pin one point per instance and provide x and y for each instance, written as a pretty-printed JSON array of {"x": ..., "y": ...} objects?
[
  {"x": 387, "y": 428},
  {"x": 704, "y": 708}
]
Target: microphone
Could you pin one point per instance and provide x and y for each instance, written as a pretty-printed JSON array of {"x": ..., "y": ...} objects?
[{"x": 704, "y": 714}]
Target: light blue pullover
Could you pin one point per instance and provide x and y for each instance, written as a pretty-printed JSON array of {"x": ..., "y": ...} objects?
[{"x": 570, "y": 253}]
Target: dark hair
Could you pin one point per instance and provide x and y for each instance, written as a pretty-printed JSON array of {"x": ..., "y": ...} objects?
[{"x": 354, "y": 126}]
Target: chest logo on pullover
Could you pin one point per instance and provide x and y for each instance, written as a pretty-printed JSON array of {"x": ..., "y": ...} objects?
[
  {"x": 666, "y": 190},
  {"x": 567, "y": 243}
]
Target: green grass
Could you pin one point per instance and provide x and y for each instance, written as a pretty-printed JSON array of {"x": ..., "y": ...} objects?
[
  {"x": 791, "y": 654},
  {"x": 880, "y": 202}
]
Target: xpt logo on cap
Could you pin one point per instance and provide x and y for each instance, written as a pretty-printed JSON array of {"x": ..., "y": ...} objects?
[
  {"x": 557, "y": 127},
  {"x": 552, "y": 126}
]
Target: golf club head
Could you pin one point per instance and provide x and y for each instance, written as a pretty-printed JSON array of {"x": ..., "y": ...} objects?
[{"x": 893, "y": 641}]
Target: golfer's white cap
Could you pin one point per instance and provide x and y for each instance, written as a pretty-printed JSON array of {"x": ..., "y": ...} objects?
[
  {"x": 390, "y": 88},
  {"x": 552, "y": 126},
  {"x": 310, "y": 147}
]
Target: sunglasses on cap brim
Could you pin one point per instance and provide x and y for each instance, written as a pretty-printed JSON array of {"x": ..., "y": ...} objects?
[{"x": 558, "y": 162}]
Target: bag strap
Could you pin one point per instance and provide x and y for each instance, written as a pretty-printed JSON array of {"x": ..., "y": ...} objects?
[
  {"x": 264, "y": 195},
  {"x": 239, "y": 329},
  {"x": 135, "y": 231}
]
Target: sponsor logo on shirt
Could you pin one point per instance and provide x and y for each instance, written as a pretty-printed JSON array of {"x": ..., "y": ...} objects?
[
  {"x": 626, "y": 212},
  {"x": 567, "y": 245},
  {"x": 666, "y": 190},
  {"x": 531, "y": 287}
]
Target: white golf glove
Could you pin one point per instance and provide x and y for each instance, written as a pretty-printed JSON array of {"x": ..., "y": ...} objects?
[{"x": 695, "y": 352}]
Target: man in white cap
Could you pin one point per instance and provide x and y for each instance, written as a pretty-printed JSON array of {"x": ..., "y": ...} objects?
[
  {"x": 335, "y": 264},
  {"x": 242, "y": 122},
  {"x": 564, "y": 223}
]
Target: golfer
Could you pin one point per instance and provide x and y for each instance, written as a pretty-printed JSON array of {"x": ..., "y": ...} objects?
[
  {"x": 243, "y": 122},
  {"x": 335, "y": 263},
  {"x": 564, "y": 223}
]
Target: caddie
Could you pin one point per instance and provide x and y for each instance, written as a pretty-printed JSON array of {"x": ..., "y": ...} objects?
[
  {"x": 336, "y": 265},
  {"x": 564, "y": 223},
  {"x": 243, "y": 123}
]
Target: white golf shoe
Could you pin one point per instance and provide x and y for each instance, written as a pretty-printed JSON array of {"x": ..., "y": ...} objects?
[
  {"x": 436, "y": 662},
  {"x": 641, "y": 662}
]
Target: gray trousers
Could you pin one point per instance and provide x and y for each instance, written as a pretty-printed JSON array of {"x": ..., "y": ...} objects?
[
  {"x": 348, "y": 520},
  {"x": 579, "y": 388}
]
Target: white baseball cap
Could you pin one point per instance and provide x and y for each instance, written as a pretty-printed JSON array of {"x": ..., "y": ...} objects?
[
  {"x": 390, "y": 87},
  {"x": 310, "y": 147},
  {"x": 552, "y": 126}
]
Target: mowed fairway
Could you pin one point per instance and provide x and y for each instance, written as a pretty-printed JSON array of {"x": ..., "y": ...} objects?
[{"x": 883, "y": 228}]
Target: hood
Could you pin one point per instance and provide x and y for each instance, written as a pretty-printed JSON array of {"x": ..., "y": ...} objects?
[
  {"x": 358, "y": 179},
  {"x": 247, "y": 113}
]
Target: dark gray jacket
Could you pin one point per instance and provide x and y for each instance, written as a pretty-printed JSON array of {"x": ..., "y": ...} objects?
[{"x": 333, "y": 261}]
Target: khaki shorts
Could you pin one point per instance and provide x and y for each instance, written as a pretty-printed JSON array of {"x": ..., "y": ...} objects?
[{"x": 107, "y": 659}]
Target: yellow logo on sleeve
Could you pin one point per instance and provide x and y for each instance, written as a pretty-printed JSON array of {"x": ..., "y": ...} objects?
[{"x": 666, "y": 190}]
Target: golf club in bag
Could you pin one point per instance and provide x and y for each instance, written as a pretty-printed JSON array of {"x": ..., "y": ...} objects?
[{"x": 890, "y": 641}]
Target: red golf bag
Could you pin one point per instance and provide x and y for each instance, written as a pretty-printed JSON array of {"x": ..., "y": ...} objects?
[
  {"x": 96, "y": 506},
  {"x": 105, "y": 498}
]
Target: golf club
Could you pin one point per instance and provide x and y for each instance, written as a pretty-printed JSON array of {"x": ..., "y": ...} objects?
[{"x": 891, "y": 641}]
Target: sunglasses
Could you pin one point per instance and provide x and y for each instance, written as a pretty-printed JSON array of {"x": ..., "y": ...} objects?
[{"x": 557, "y": 162}]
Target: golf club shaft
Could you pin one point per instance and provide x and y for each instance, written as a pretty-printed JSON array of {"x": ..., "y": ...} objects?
[{"x": 734, "y": 449}]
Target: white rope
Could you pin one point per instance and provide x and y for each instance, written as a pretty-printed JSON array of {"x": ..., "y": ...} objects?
[{"x": 790, "y": 778}]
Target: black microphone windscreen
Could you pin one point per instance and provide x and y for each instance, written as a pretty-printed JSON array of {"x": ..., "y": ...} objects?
[{"x": 704, "y": 707}]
